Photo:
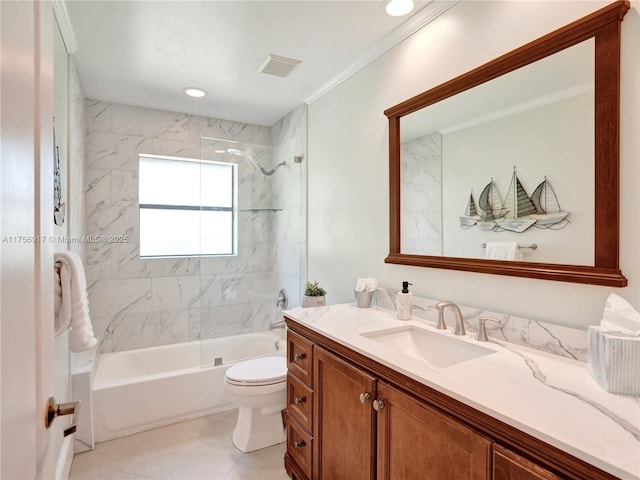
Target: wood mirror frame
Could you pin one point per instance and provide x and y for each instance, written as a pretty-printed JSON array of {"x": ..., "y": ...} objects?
[{"x": 604, "y": 26}]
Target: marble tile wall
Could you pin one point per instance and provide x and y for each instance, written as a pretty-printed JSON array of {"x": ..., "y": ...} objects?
[
  {"x": 421, "y": 199},
  {"x": 289, "y": 138},
  {"x": 137, "y": 302}
]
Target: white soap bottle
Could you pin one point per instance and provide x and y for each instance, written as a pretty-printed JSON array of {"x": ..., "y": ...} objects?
[{"x": 403, "y": 302}]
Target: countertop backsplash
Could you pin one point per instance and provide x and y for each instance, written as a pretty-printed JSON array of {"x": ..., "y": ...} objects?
[{"x": 556, "y": 339}]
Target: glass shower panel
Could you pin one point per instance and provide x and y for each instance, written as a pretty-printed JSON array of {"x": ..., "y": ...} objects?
[{"x": 238, "y": 291}]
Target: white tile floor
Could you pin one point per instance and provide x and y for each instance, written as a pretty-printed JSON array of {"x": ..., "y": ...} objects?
[{"x": 195, "y": 449}]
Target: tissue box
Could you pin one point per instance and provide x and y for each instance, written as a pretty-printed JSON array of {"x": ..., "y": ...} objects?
[{"x": 614, "y": 361}]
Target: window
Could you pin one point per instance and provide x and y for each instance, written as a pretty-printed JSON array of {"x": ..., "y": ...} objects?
[{"x": 187, "y": 207}]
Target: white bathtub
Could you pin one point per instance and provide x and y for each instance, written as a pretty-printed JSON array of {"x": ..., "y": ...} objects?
[{"x": 136, "y": 390}]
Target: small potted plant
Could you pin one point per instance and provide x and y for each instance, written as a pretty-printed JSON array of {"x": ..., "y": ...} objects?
[{"x": 314, "y": 295}]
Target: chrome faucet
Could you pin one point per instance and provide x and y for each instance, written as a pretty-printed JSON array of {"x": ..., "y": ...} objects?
[
  {"x": 458, "y": 329},
  {"x": 283, "y": 299},
  {"x": 277, "y": 325}
]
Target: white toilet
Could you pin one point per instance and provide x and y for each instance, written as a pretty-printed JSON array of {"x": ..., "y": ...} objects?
[{"x": 258, "y": 388}]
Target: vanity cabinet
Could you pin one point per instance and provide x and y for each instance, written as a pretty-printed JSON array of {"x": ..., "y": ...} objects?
[
  {"x": 349, "y": 417},
  {"x": 415, "y": 441},
  {"x": 344, "y": 420},
  {"x": 300, "y": 401},
  {"x": 508, "y": 465}
]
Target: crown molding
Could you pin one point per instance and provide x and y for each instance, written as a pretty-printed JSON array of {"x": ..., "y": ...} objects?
[
  {"x": 522, "y": 107},
  {"x": 64, "y": 24},
  {"x": 423, "y": 17}
]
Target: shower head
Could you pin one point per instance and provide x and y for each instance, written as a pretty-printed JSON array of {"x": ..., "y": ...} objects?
[{"x": 254, "y": 160}]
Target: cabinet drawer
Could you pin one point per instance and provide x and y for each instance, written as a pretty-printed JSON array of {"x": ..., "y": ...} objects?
[
  {"x": 299, "y": 445},
  {"x": 299, "y": 357},
  {"x": 300, "y": 402},
  {"x": 508, "y": 465}
]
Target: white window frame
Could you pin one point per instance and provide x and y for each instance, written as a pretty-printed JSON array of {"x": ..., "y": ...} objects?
[{"x": 189, "y": 208}]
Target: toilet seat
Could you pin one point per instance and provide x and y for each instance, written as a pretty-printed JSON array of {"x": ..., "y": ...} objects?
[{"x": 258, "y": 372}]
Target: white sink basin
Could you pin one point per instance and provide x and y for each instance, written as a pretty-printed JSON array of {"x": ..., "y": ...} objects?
[{"x": 439, "y": 350}]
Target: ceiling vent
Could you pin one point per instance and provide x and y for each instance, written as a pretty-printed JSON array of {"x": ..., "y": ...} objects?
[{"x": 279, "y": 66}]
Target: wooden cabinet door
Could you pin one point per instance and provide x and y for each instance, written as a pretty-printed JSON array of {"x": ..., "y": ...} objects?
[
  {"x": 344, "y": 426},
  {"x": 508, "y": 465},
  {"x": 415, "y": 441}
]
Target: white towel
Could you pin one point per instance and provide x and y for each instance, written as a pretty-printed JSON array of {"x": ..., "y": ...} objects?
[
  {"x": 61, "y": 324},
  {"x": 366, "y": 284},
  {"x": 503, "y": 251},
  {"x": 74, "y": 305}
]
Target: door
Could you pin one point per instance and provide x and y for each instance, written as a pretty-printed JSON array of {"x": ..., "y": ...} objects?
[
  {"x": 415, "y": 441},
  {"x": 26, "y": 258},
  {"x": 344, "y": 422}
]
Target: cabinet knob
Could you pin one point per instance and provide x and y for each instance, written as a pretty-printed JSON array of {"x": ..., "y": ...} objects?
[
  {"x": 299, "y": 400},
  {"x": 378, "y": 405},
  {"x": 299, "y": 444},
  {"x": 365, "y": 397},
  {"x": 299, "y": 356}
]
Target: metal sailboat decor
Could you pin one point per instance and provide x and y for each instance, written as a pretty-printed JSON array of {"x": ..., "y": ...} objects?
[
  {"x": 490, "y": 203},
  {"x": 518, "y": 212},
  {"x": 548, "y": 214},
  {"x": 519, "y": 207},
  {"x": 471, "y": 216}
]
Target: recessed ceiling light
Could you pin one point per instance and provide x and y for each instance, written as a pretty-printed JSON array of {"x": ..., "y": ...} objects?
[
  {"x": 398, "y": 8},
  {"x": 194, "y": 92}
]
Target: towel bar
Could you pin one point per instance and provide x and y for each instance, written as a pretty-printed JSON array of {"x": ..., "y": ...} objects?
[{"x": 533, "y": 246}]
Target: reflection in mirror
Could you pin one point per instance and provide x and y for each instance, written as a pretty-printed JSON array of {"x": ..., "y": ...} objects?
[
  {"x": 539, "y": 119},
  {"x": 468, "y": 164}
]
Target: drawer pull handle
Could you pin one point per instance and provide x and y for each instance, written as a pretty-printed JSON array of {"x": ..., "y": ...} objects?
[
  {"x": 378, "y": 405},
  {"x": 299, "y": 400},
  {"x": 300, "y": 356},
  {"x": 365, "y": 397},
  {"x": 299, "y": 444}
]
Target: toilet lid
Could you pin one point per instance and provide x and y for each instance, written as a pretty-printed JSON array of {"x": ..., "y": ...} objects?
[{"x": 265, "y": 370}]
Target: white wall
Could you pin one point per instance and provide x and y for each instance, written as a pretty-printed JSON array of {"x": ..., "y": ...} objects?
[
  {"x": 555, "y": 140},
  {"x": 348, "y": 163}
]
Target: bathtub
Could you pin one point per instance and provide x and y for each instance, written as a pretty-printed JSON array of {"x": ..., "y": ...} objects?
[{"x": 136, "y": 390}]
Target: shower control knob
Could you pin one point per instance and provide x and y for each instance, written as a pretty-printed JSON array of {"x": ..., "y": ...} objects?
[
  {"x": 299, "y": 400},
  {"x": 299, "y": 356},
  {"x": 299, "y": 444},
  {"x": 365, "y": 397}
]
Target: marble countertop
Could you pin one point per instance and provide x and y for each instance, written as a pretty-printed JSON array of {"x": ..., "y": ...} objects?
[{"x": 547, "y": 396}]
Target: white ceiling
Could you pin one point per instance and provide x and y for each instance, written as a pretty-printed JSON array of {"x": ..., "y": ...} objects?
[{"x": 145, "y": 52}]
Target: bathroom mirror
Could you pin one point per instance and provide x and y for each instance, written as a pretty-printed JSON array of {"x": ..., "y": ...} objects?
[{"x": 598, "y": 35}]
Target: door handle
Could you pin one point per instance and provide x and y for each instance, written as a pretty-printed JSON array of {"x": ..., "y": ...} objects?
[{"x": 59, "y": 409}]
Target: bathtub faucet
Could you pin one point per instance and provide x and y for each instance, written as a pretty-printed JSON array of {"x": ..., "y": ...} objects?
[{"x": 277, "y": 325}]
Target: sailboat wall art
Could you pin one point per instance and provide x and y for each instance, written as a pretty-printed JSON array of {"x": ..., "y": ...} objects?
[{"x": 518, "y": 211}]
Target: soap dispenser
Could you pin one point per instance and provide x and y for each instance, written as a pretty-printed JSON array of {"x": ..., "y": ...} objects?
[{"x": 403, "y": 302}]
